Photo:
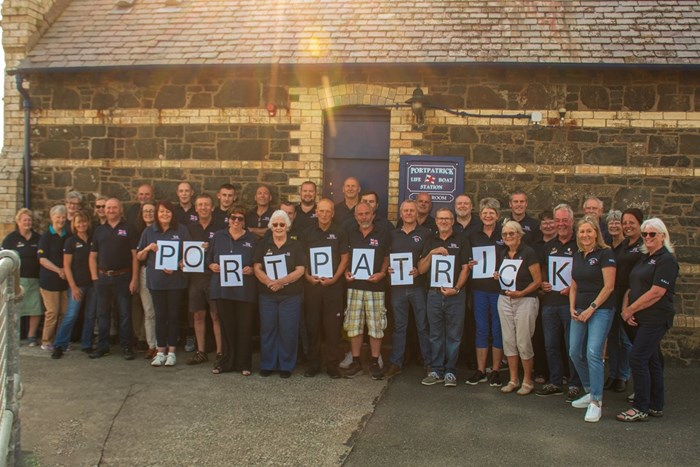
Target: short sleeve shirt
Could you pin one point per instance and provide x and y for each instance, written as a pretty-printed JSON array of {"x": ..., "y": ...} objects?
[
  {"x": 531, "y": 228},
  {"x": 659, "y": 269},
  {"x": 626, "y": 256},
  {"x": 456, "y": 245},
  {"x": 157, "y": 279},
  {"x": 224, "y": 244},
  {"x": 411, "y": 242},
  {"x": 588, "y": 274},
  {"x": 51, "y": 248},
  {"x": 185, "y": 217},
  {"x": 80, "y": 260},
  {"x": 113, "y": 245},
  {"x": 377, "y": 240},
  {"x": 333, "y": 237},
  {"x": 481, "y": 239},
  {"x": 27, "y": 251},
  {"x": 523, "y": 278},
  {"x": 204, "y": 235},
  {"x": 252, "y": 220},
  {"x": 293, "y": 258}
]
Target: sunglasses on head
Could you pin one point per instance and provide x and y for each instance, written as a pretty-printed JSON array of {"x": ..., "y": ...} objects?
[{"x": 649, "y": 234}]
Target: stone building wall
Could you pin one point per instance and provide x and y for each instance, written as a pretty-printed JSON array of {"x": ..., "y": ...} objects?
[{"x": 630, "y": 137}]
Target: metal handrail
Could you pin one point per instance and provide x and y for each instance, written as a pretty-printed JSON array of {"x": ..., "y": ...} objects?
[{"x": 10, "y": 386}]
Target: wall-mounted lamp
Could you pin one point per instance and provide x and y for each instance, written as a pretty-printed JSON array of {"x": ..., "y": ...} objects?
[
  {"x": 271, "y": 109},
  {"x": 417, "y": 102},
  {"x": 562, "y": 115}
]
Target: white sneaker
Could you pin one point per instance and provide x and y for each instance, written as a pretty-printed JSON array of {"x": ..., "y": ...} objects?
[
  {"x": 347, "y": 361},
  {"x": 170, "y": 359},
  {"x": 582, "y": 402},
  {"x": 158, "y": 360},
  {"x": 593, "y": 413}
]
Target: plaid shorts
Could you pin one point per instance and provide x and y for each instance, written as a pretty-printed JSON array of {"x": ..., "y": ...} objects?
[{"x": 364, "y": 306}]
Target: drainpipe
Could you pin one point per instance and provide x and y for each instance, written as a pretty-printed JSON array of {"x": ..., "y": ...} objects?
[{"x": 27, "y": 139}]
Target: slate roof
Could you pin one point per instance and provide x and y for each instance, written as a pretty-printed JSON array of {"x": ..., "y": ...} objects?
[{"x": 93, "y": 33}]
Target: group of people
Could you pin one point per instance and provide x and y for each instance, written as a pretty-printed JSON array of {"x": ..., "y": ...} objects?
[{"x": 322, "y": 270}]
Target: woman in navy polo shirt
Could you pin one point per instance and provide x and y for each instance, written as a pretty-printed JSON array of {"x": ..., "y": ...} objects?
[
  {"x": 52, "y": 278},
  {"x": 278, "y": 265},
  {"x": 76, "y": 253},
  {"x": 592, "y": 307},
  {"x": 25, "y": 241},
  {"x": 167, "y": 286},
  {"x": 648, "y": 306},
  {"x": 517, "y": 309},
  {"x": 235, "y": 304}
]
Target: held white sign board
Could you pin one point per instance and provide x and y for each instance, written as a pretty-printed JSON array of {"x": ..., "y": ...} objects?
[
  {"x": 560, "y": 272},
  {"x": 275, "y": 266},
  {"x": 192, "y": 257},
  {"x": 485, "y": 257},
  {"x": 508, "y": 272},
  {"x": 231, "y": 274},
  {"x": 401, "y": 263},
  {"x": 362, "y": 264},
  {"x": 442, "y": 271},
  {"x": 167, "y": 254},
  {"x": 321, "y": 261}
]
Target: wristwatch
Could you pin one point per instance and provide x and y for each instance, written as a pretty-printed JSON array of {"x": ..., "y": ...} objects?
[{"x": 594, "y": 305}]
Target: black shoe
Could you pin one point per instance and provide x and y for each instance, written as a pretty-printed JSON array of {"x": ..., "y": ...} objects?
[
  {"x": 311, "y": 372},
  {"x": 376, "y": 372},
  {"x": 285, "y": 374},
  {"x": 353, "y": 370},
  {"x": 334, "y": 372},
  {"x": 57, "y": 353},
  {"x": 495, "y": 379},
  {"x": 98, "y": 353},
  {"x": 573, "y": 394},
  {"x": 477, "y": 377},
  {"x": 609, "y": 383},
  {"x": 549, "y": 390},
  {"x": 128, "y": 354},
  {"x": 620, "y": 385},
  {"x": 265, "y": 373}
]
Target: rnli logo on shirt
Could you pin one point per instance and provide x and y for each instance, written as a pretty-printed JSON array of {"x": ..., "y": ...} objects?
[
  {"x": 193, "y": 218},
  {"x": 452, "y": 245},
  {"x": 331, "y": 237},
  {"x": 79, "y": 245},
  {"x": 247, "y": 245},
  {"x": 500, "y": 242},
  {"x": 20, "y": 244},
  {"x": 568, "y": 251},
  {"x": 121, "y": 232},
  {"x": 176, "y": 237},
  {"x": 268, "y": 252},
  {"x": 373, "y": 242},
  {"x": 211, "y": 235},
  {"x": 652, "y": 262},
  {"x": 593, "y": 261},
  {"x": 634, "y": 250},
  {"x": 416, "y": 238},
  {"x": 526, "y": 228}
]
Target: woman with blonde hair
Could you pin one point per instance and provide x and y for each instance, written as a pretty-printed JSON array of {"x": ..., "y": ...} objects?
[{"x": 592, "y": 306}]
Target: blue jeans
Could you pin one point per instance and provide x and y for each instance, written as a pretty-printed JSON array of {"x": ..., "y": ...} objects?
[
  {"x": 107, "y": 289},
  {"x": 66, "y": 328},
  {"x": 556, "y": 321},
  {"x": 279, "y": 331},
  {"x": 586, "y": 344},
  {"x": 485, "y": 314},
  {"x": 446, "y": 323},
  {"x": 619, "y": 347},
  {"x": 647, "y": 368},
  {"x": 401, "y": 299}
]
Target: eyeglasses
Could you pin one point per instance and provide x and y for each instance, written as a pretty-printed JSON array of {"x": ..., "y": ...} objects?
[
  {"x": 279, "y": 224},
  {"x": 509, "y": 234},
  {"x": 649, "y": 234},
  {"x": 236, "y": 218},
  {"x": 444, "y": 219}
]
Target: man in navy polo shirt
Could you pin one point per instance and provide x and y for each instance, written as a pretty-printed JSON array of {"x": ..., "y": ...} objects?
[
  {"x": 445, "y": 303},
  {"x": 306, "y": 210},
  {"x": 258, "y": 218},
  {"x": 323, "y": 293},
  {"x": 518, "y": 213},
  {"x": 184, "y": 209},
  {"x": 114, "y": 268},
  {"x": 226, "y": 196},
  {"x": 365, "y": 279},
  {"x": 409, "y": 238}
]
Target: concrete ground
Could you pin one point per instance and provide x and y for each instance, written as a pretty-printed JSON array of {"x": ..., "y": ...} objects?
[{"x": 82, "y": 412}]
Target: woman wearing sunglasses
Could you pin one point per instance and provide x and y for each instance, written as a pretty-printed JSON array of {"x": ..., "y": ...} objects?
[
  {"x": 234, "y": 303},
  {"x": 278, "y": 265},
  {"x": 648, "y": 306}
]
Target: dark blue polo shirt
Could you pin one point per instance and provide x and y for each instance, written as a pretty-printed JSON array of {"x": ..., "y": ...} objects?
[
  {"x": 528, "y": 257},
  {"x": 531, "y": 228},
  {"x": 220, "y": 218},
  {"x": 588, "y": 274},
  {"x": 27, "y": 251},
  {"x": 253, "y": 221},
  {"x": 334, "y": 237},
  {"x": 343, "y": 212},
  {"x": 379, "y": 223},
  {"x": 480, "y": 239},
  {"x": 156, "y": 279},
  {"x": 456, "y": 246},
  {"x": 660, "y": 269},
  {"x": 474, "y": 225},
  {"x": 51, "y": 248},
  {"x": 412, "y": 242},
  {"x": 626, "y": 256},
  {"x": 113, "y": 245},
  {"x": 555, "y": 248},
  {"x": 377, "y": 240},
  {"x": 429, "y": 223},
  {"x": 224, "y": 244},
  {"x": 305, "y": 219},
  {"x": 80, "y": 260},
  {"x": 185, "y": 217},
  {"x": 293, "y": 257},
  {"x": 204, "y": 235}
]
